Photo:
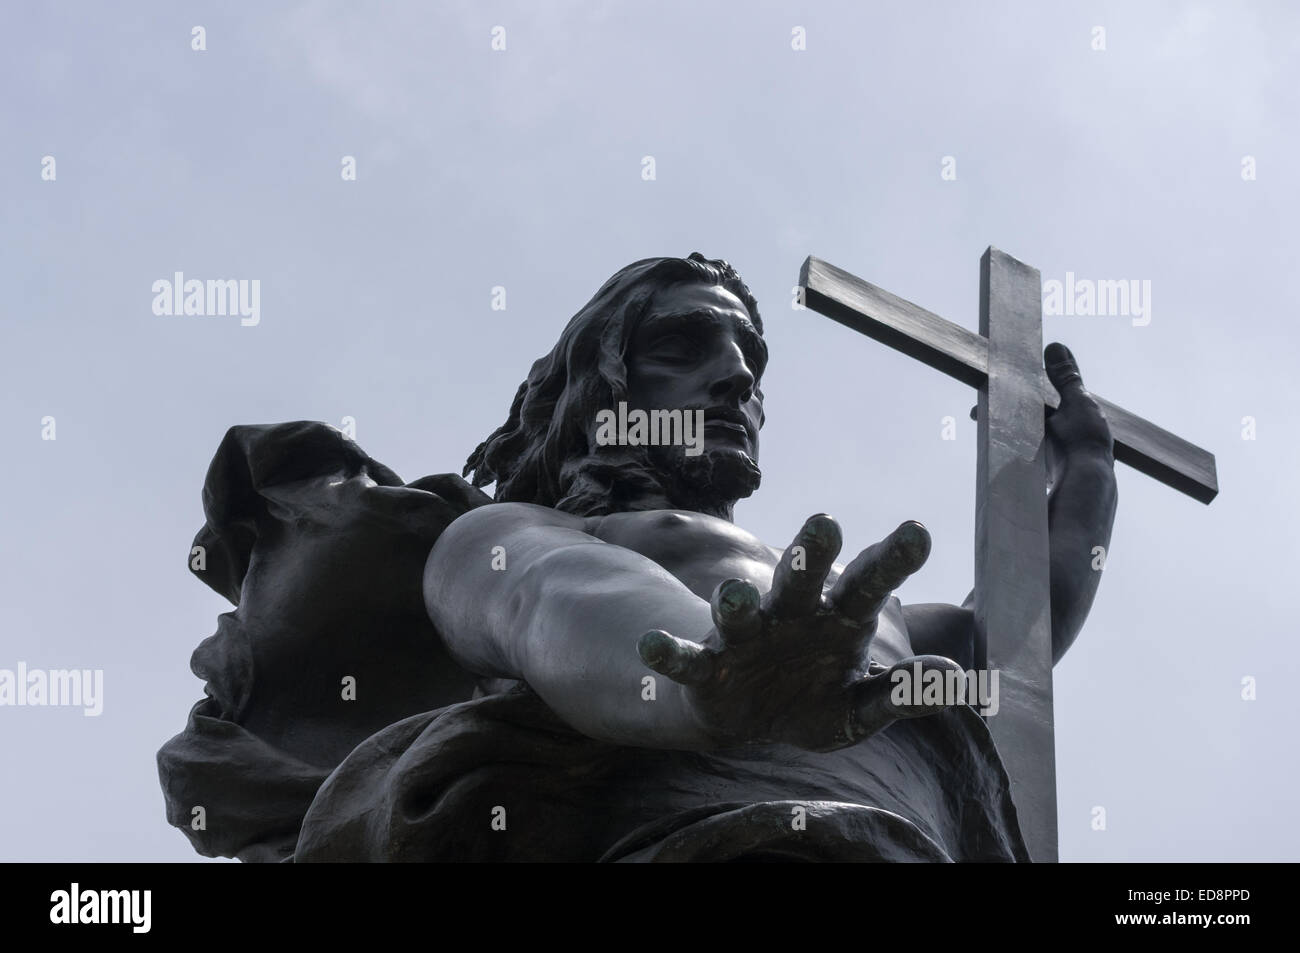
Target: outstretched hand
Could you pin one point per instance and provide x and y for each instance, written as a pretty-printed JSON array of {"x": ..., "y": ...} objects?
[{"x": 792, "y": 666}]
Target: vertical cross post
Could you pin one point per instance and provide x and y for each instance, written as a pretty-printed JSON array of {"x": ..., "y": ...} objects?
[{"x": 1013, "y": 620}]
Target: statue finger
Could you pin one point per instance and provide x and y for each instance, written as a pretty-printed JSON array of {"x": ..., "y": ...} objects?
[
  {"x": 863, "y": 587},
  {"x": 1063, "y": 370},
  {"x": 736, "y": 610},
  {"x": 801, "y": 574},
  {"x": 681, "y": 660}
]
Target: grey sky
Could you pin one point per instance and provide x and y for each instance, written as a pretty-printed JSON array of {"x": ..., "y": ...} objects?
[{"x": 522, "y": 168}]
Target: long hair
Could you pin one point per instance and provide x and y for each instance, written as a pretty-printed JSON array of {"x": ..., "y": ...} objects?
[{"x": 541, "y": 454}]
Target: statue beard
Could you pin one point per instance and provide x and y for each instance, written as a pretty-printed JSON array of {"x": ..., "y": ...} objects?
[
  {"x": 710, "y": 482},
  {"x": 627, "y": 479}
]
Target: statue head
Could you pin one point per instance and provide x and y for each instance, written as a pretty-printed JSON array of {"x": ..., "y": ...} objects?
[{"x": 662, "y": 334}]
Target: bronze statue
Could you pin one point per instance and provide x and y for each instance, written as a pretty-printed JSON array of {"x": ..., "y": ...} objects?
[{"x": 596, "y": 663}]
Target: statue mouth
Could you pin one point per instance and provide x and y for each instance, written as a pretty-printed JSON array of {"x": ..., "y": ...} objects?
[
  {"x": 728, "y": 420},
  {"x": 726, "y": 425}
]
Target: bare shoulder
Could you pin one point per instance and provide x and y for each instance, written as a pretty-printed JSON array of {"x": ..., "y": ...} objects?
[{"x": 508, "y": 517}]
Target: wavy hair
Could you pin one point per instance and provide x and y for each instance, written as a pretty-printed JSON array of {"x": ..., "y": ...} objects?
[{"x": 541, "y": 454}]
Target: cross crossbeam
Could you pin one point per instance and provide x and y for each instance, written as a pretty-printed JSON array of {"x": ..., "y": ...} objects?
[{"x": 963, "y": 354}]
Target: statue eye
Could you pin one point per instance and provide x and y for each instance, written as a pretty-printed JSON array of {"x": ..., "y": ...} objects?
[{"x": 673, "y": 346}]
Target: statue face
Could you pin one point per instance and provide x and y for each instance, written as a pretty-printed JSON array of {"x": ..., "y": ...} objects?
[{"x": 696, "y": 349}]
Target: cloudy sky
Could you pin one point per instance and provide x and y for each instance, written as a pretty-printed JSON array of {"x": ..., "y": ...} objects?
[{"x": 1157, "y": 149}]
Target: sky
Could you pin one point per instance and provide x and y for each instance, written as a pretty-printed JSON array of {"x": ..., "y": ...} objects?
[{"x": 1109, "y": 141}]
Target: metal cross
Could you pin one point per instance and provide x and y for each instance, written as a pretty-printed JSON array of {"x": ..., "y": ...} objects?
[{"x": 1012, "y": 565}]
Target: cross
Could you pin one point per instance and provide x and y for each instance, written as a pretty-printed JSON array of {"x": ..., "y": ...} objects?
[{"x": 1012, "y": 593}]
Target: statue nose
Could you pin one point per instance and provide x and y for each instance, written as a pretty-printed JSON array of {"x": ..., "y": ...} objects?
[{"x": 733, "y": 379}]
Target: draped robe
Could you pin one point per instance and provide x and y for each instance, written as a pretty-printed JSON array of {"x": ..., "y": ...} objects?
[{"x": 335, "y": 726}]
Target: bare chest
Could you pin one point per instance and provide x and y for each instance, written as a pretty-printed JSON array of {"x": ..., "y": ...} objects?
[{"x": 702, "y": 551}]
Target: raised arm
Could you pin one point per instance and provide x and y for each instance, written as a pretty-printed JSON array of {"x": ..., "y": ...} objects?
[
  {"x": 1081, "y": 508},
  {"x": 1080, "y": 515}
]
